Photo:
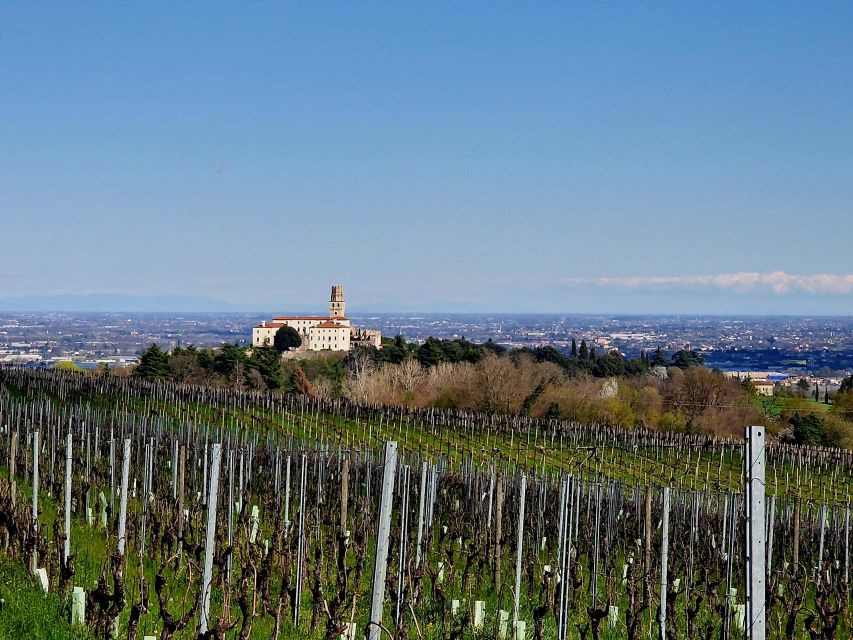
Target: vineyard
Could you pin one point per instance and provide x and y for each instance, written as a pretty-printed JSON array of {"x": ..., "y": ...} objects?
[{"x": 167, "y": 511}]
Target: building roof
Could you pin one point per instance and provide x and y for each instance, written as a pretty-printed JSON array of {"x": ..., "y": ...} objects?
[
  {"x": 309, "y": 318},
  {"x": 269, "y": 325},
  {"x": 330, "y": 325}
]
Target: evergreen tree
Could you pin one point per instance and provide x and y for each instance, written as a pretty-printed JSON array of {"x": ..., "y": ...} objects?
[
  {"x": 493, "y": 347},
  {"x": 228, "y": 359},
  {"x": 299, "y": 382},
  {"x": 816, "y": 393},
  {"x": 393, "y": 350},
  {"x": 267, "y": 361},
  {"x": 153, "y": 363},
  {"x": 530, "y": 400},
  {"x": 574, "y": 348},
  {"x": 584, "y": 351},
  {"x": 684, "y": 359},
  {"x": 430, "y": 353},
  {"x": 808, "y": 429}
]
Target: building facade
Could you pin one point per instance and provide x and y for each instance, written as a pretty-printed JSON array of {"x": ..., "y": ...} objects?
[{"x": 334, "y": 332}]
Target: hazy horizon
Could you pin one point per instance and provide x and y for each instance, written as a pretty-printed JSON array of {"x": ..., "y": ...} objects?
[{"x": 117, "y": 303}]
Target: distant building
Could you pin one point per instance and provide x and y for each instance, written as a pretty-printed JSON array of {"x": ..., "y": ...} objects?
[
  {"x": 764, "y": 387},
  {"x": 334, "y": 332}
]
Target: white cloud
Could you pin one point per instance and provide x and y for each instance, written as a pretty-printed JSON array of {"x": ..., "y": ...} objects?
[{"x": 777, "y": 282}]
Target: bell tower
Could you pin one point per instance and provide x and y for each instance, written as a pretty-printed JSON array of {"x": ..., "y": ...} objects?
[{"x": 337, "y": 305}]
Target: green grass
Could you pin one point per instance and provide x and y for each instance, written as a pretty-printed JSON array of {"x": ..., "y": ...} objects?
[
  {"x": 27, "y": 612},
  {"x": 775, "y": 406}
]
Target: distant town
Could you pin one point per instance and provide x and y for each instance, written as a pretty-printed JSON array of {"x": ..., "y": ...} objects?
[{"x": 817, "y": 348}]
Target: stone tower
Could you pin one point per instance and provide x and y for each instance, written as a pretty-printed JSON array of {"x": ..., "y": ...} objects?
[{"x": 337, "y": 306}]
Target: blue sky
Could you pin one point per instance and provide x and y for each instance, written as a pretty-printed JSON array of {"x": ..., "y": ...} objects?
[{"x": 630, "y": 157}]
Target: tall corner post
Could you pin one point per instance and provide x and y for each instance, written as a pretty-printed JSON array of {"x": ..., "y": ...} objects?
[{"x": 756, "y": 544}]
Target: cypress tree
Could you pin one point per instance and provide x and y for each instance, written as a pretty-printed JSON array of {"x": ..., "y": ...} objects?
[
  {"x": 299, "y": 382},
  {"x": 574, "y": 348}
]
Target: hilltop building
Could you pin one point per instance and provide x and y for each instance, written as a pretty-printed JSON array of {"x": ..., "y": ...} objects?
[{"x": 334, "y": 332}]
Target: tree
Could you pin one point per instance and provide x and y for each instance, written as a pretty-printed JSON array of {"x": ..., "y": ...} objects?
[
  {"x": 430, "y": 353},
  {"x": 610, "y": 365},
  {"x": 698, "y": 392},
  {"x": 493, "y": 347},
  {"x": 299, "y": 382},
  {"x": 360, "y": 361},
  {"x": 68, "y": 365},
  {"x": 531, "y": 399},
  {"x": 184, "y": 365},
  {"x": 393, "y": 350},
  {"x": 684, "y": 359},
  {"x": 660, "y": 358},
  {"x": 153, "y": 363},
  {"x": 574, "y": 348},
  {"x": 583, "y": 354},
  {"x": 286, "y": 338},
  {"x": 228, "y": 359},
  {"x": 267, "y": 361},
  {"x": 808, "y": 429},
  {"x": 842, "y": 405}
]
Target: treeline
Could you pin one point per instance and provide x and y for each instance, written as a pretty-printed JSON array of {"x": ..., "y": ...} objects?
[
  {"x": 670, "y": 393},
  {"x": 262, "y": 367},
  {"x": 582, "y": 359},
  {"x": 234, "y": 366}
]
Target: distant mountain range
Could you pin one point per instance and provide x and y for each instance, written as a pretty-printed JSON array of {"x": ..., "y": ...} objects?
[{"x": 117, "y": 302}]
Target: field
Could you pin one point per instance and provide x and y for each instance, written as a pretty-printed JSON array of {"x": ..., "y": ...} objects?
[
  {"x": 560, "y": 526},
  {"x": 776, "y": 406}
]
